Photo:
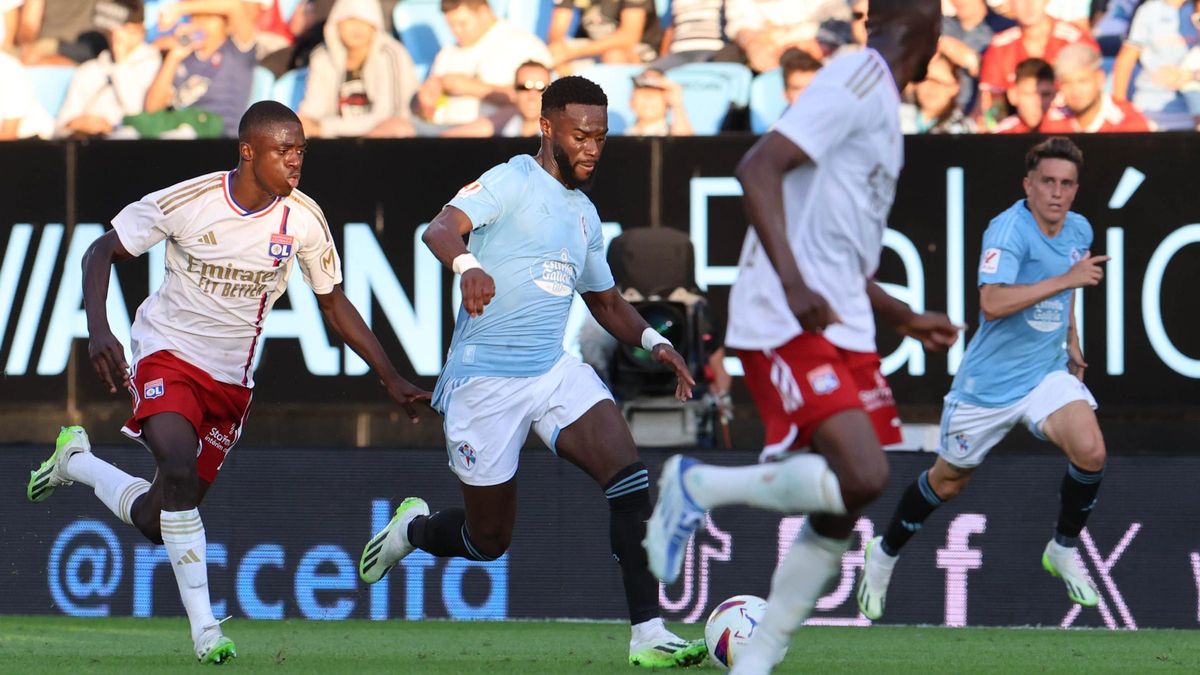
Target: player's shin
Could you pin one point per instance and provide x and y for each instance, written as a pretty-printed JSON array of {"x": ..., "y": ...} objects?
[
  {"x": 628, "y": 495},
  {"x": 798, "y": 583},
  {"x": 444, "y": 534},
  {"x": 916, "y": 504},
  {"x": 1078, "y": 495},
  {"x": 186, "y": 544},
  {"x": 115, "y": 488},
  {"x": 803, "y": 483}
]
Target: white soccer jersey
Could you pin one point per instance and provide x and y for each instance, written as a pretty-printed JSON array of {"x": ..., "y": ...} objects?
[
  {"x": 226, "y": 267},
  {"x": 836, "y": 206}
]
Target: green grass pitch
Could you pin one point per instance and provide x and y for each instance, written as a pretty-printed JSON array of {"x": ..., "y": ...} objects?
[{"x": 124, "y": 646}]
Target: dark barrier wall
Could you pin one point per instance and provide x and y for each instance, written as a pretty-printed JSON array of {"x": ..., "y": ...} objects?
[
  {"x": 285, "y": 529},
  {"x": 1140, "y": 332}
]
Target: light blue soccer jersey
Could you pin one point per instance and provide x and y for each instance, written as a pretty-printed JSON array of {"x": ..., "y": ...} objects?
[
  {"x": 541, "y": 243},
  {"x": 1008, "y": 357}
]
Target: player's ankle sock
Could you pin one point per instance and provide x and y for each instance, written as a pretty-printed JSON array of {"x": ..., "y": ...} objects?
[
  {"x": 798, "y": 583},
  {"x": 444, "y": 534},
  {"x": 800, "y": 484},
  {"x": 117, "y": 489},
  {"x": 919, "y": 500},
  {"x": 1078, "y": 495},
  {"x": 628, "y": 496},
  {"x": 183, "y": 537}
]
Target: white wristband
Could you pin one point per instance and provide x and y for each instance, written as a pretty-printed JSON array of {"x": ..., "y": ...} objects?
[
  {"x": 465, "y": 262},
  {"x": 651, "y": 339}
]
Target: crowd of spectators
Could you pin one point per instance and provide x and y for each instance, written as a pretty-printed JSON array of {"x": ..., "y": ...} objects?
[{"x": 188, "y": 68}]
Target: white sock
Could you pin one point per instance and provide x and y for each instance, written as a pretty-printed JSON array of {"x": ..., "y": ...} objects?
[
  {"x": 799, "y": 582},
  {"x": 800, "y": 484},
  {"x": 117, "y": 489},
  {"x": 183, "y": 536},
  {"x": 646, "y": 630}
]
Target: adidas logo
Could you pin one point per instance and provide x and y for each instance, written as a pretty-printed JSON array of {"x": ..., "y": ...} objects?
[
  {"x": 188, "y": 558},
  {"x": 209, "y": 238}
]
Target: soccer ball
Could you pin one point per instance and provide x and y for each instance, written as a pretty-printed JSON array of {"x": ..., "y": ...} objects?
[{"x": 730, "y": 626}]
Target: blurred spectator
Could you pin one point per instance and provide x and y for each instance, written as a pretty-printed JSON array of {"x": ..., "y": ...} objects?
[
  {"x": 1075, "y": 12},
  {"x": 10, "y": 18},
  {"x": 361, "y": 81},
  {"x": 765, "y": 28},
  {"x": 936, "y": 108},
  {"x": 1113, "y": 26},
  {"x": 109, "y": 87},
  {"x": 799, "y": 69},
  {"x": 63, "y": 32},
  {"x": 479, "y": 68},
  {"x": 1031, "y": 97},
  {"x": 1036, "y": 34},
  {"x": 20, "y": 114},
  {"x": 617, "y": 31},
  {"x": 657, "y": 105},
  {"x": 965, "y": 36},
  {"x": 307, "y": 24},
  {"x": 522, "y": 118},
  {"x": 1085, "y": 107},
  {"x": 696, "y": 33},
  {"x": 836, "y": 36},
  {"x": 271, "y": 31},
  {"x": 1162, "y": 33},
  {"x": 210, "y": 61}
]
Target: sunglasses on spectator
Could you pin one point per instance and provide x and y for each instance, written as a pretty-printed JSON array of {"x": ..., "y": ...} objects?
[
  {"x": 530, "y": 85},
  {"x": 858, "y": 16}
]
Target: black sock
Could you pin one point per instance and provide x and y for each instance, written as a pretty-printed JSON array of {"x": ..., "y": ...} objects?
[
  {"x": 918, "y": 501},
  {"x": 628, "y": 496},
  {"x": 444, "y": 534},
  {"x": 1078, "y": 494}
]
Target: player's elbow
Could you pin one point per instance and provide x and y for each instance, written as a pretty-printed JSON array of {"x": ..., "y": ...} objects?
[{"x": 990, "y": 305}]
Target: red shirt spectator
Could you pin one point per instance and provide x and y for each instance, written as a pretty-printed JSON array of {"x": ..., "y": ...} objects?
[
  {"x": 1113, "y": 117},
  {"x": 1084, "y": 107},
  {"x": 1000, "y": 61},
  {"x": 1012, "y": 125}
]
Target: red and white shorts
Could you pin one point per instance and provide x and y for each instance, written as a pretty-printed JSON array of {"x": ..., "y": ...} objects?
[
  {"x": 798, "y": 386},
  {"x": 163, "y": 382}
]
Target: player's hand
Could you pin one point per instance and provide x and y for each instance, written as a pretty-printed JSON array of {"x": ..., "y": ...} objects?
[
  {"x": 1075, "y": 363},
  {"x": 478, "y": 289},
  {"x": 667, "y": 356},
  {"x": 1087, "y": 272},
  {"x": 108, "y": 358},
  {"x": 935, "y": 330},
  {"x": 811, "y": 308},
  {"x": 406, "y": 394}
]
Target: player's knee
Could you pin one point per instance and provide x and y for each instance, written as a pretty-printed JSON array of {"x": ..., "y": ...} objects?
[
  {"x": 864, "y": 484},
  {"x": 1090, "y": 454}
]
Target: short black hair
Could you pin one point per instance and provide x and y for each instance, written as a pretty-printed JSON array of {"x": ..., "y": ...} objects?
[
  {"x": 1055, "y": 147},
  {"x": 1035, "y": 68},
  {"x": 572, "y": 89},
  {"x": 798, "y": 60},
  {"x": 263, "y": 115}
]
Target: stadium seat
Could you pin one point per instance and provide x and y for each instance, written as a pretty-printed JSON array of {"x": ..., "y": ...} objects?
[
  {"x": 739, "y": 77},
  {"x": 289, "y": 88},
  {"x": 422, "y": 29},
  {"x": 260, "y": 88},
  {"x": 707, "y": 95},
  {"x": 766, "y": 100},
  {"x": 50, "y": 84},
  {"x": 617, "y": 82},
  {"x": 287, "y": 8},
  {"x": 532, "y": 15}
]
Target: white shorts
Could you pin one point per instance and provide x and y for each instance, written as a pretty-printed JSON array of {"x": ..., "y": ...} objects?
[
  {"x": 488, "y": 418},
  {"x": 969, "y": 432}
]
